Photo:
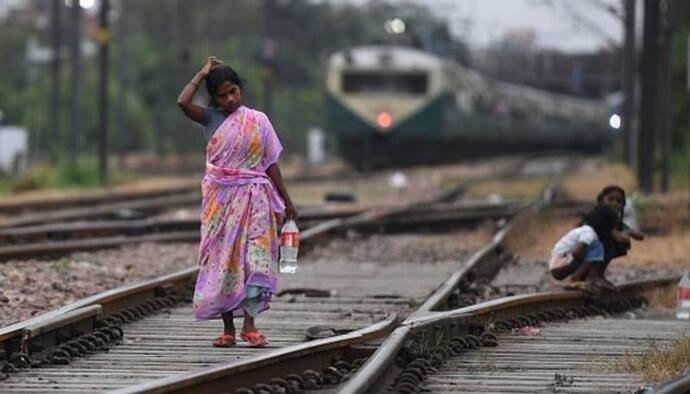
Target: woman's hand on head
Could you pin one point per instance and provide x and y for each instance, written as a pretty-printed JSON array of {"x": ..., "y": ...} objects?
[{"x": 210, "y": 62}]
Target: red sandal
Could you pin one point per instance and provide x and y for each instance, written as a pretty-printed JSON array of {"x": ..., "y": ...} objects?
[
  {"x": 254, "y": 338},
  {"x": 225, "y": 340}
]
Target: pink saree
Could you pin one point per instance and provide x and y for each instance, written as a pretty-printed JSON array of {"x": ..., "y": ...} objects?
[{"x": 238, "y": 251}]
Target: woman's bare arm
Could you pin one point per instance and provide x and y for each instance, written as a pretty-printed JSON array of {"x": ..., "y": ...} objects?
[
  {"x": 273, "y": 172},
  {"x": 184, "y": 101}
]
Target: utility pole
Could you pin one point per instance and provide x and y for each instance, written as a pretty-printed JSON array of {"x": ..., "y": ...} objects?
[
  {"x": 629, "y": 82},
  {"x": 75, "y": 71},
  {"x": 55, "y": 66},
  {"x": 649, "y": 95},
  {"x": 267, "y": 54},
  {"x": 665, "y": 92},
  {"x": 122, "y": 71},
  {"x": 162, "y": 38},
  {"x": 103, "y": 37}
]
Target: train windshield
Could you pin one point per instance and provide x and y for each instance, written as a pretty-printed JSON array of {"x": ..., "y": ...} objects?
[{"x": 414, "y": 83}]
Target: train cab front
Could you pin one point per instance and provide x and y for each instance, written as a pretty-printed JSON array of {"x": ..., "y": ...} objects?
[{"x": 375, "y": 95}]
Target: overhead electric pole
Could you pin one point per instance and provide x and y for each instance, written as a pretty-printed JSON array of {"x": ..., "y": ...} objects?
[
  {"x": 267, "y": 56},
  {"x": 649, "y": 96},
  {"x": 665, "y": 107},
  {"x": 103, "y": 38},
  {"x": 629, "y": 84},
  {"x": 75, "y": 75},
  {"x": 55, "y": 66}
]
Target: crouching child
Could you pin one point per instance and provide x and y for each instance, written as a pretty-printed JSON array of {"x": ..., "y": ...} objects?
[{"x": 579, "y": 254}]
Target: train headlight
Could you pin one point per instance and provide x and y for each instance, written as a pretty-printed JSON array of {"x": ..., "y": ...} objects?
[
  {"x": 384, "y": 120},
  {"x": 615, "y": 121}
]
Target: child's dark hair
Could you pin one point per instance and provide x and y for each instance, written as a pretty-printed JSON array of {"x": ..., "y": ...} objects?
[
  {"x": 603, "y": 219},
  {"x": 613, "y": 188},
  {"x": 608, "y": 189},
  {"x": 219, "y": 74}
]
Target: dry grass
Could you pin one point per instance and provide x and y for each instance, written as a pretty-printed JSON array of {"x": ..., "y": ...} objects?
[
  {"x": 657, "y": 362},
  {"x": 670, "y": 249},
  {"x": 508, "y": 189},
  {"x": 585, "y": 182},
  {"x": 665, "y": 298},
  {"x": 666, "y": 212},
  {"x": 535, "y": 236}
]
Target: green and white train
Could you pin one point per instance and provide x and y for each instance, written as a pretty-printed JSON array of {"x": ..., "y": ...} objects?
[{"x": 390, "y": 106}]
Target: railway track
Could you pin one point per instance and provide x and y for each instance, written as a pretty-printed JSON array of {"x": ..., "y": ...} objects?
[
  {"x": 56, "y": 337},
  {"x": 52, "y": 234},
  {"x": 356, "y": 333},
  {"x": 59, "y": 239},
  {"x": 575, "y": 356},
  {"x": 473, "y": 349},
  {"x": 15, "y": 206},
  {"x": 29, "y": 205}
]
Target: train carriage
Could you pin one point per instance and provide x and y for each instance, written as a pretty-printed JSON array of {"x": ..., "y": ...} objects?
[{"x": 392, "y": 105}]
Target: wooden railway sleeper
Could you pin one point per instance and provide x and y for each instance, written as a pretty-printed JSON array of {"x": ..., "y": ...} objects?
[{"x": 75, "y": 343}]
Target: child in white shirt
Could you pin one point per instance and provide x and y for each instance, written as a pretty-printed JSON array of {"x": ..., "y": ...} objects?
[{"x": 579, "y": 254}]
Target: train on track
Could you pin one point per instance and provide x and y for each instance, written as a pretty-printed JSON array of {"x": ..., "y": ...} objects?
[{"x": 391, "y": 106}]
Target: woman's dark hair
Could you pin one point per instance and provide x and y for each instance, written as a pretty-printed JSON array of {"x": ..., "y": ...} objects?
[
  {"x": 219, "y": 74},
  {"x": 603, "y": 219}
]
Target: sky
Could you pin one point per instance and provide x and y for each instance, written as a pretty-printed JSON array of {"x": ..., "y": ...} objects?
[
  {"x": 480, "y": 22},
  {"x": 555, "y": 22},
  {"x": 575, "y": 26}
]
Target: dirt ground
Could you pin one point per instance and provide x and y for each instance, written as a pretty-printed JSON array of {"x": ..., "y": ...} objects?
[{"x": 35, "y": 286}]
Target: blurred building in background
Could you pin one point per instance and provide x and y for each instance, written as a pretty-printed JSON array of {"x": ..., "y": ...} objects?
[{"x": 515, "y": 58}]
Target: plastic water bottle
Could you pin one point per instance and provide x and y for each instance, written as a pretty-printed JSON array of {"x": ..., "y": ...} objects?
[
  {"x": 289, "y": 247},
  {"x": 683, "y": 308}
]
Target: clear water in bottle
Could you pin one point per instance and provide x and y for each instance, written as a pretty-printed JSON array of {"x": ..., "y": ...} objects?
[
  {"x": 289, "y": 247},
  {"x": 683, "y": 306}
]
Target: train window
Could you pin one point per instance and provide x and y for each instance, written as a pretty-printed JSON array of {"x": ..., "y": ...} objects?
[{"x": 378, "y": 82}]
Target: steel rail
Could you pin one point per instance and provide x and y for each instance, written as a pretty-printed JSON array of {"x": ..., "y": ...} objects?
[
  {"x": 375, "y": 374},
  {"x": 66, "y": 230},
  {"x": 380, "y": 214},
  {"x": 153, "y": 204},
  {"x": 14, "y": 338},
  {"x": 485, "y": 262},
  {"x": 61, "y": 248},
  {"x": 92, "y": 198},
  {"x": 210, "y": 376},
  {"x": 175, "y": 230},
  {"x": 316, "y": 355},
  {"x": 80, "y": 229},
  {"x": 18, "y": 338},
  {"x": 111, "y": 301},
  {"x": 679, "y": 385},
  {"x": 13, "y": 205}
]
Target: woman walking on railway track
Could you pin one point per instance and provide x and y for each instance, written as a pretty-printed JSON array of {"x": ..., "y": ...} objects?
[{"x": 244, "y": 198}]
